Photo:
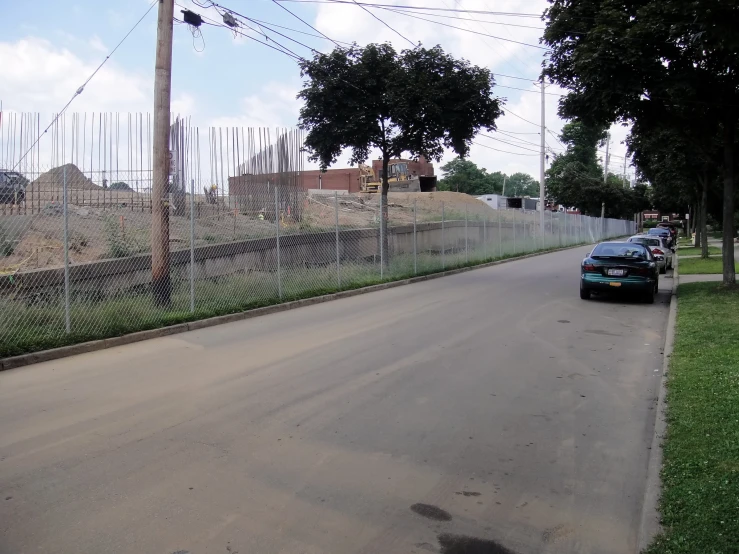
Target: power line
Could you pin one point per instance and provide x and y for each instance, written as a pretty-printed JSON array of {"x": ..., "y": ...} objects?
[
  {"x": 504, "y": 151},
  {"x": 510, "y": 143},
  {"x": 458, "y": 28},
  {"x": 81, "y": 89},
  {"x": 512, "y": 77},
  {"x": 534, "y": 91},
  {"x": 385, "y": 24},
  {"x": 522, "y": 119},
  {"x": 476, "y": 20},
  {"x": 429, "y": 8},
  {"x": 305, "y": 22}
]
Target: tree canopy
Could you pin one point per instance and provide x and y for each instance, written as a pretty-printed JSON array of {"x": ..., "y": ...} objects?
[
  {"x": 465, "y": 176},
  {"x": 418, "y": 101},
  {"x": 575, "y": 178},
  {"x": 655, "y": 63}
]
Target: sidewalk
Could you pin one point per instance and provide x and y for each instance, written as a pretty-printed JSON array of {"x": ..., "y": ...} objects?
[{"x": 700, "y": 278}]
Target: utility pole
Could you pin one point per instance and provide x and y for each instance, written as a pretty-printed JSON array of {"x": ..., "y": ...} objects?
[
  {"x": 626, "y": 183},
  {"x": 160, "y": 278},
  {"x": 608, "y": 144},
  {"x": 542, "y": 160}
]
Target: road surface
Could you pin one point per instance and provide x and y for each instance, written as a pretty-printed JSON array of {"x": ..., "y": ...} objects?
[{"x": 491, "y": 411}]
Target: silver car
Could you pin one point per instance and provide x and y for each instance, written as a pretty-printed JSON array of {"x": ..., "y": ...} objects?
[{"x": 660, "y": 250}]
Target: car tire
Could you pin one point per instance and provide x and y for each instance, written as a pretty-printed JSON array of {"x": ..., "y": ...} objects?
[
  {"x": 584, "y": 293},
  {"x": 663, "y": 270},
  {"x": 649, "y": 297}
]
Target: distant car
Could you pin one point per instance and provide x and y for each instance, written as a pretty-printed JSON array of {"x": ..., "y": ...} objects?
[
  {"x": 672, "y": 227},
  {"x": 620, "y": 266},
  {"x": 662, "y": 232},
  {"x": 658, "y": 245}
]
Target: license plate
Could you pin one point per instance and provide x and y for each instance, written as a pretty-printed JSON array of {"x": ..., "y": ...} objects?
[
  {"x": 615, "y": 284},
  {"x": 616, "y": 272}
]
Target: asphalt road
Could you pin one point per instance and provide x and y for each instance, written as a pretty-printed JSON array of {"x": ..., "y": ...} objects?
[{"x": 486, "y": 411}]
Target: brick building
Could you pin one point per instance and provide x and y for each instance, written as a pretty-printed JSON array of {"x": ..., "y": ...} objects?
[{"x": 346, "y": 178}]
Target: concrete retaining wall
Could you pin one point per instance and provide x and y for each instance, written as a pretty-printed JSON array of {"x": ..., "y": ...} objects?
[{"x": 255, "y": 255}]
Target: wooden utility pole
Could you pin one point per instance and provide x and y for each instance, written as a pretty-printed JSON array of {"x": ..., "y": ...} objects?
[{"x": 160, "y": 278}]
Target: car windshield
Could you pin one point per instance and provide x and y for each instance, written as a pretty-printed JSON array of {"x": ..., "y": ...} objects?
[
  {"x": 648, "y": 241},
  {"x": 619, "y": 250}
]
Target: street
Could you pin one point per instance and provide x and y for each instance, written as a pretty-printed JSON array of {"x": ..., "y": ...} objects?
[{"x": 490, "y": 411}]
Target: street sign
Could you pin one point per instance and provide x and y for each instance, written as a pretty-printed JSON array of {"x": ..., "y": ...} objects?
[{"x": 687, "y": 216}]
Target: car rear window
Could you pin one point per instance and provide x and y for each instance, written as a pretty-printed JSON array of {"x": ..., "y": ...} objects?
[
  {"x": 658, "y": 231},
  {"x": 646, "y": 241},
  {"x": 619, "y": 250}
]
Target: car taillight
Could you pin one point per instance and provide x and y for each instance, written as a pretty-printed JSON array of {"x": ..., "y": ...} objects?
[
  {"x": 588, "y": 267},
  {"x": 658, "y": 251},
  {"x": 640, "y": 271}
]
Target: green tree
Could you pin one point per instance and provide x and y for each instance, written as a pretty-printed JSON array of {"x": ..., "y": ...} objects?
[
  {"x": 120, "y": 185},
  {"x": 522, "y": 184},
  {"x": 673, "y": 58},
  {"x": 576, "y": 179},
  {"x": 418, "y": 101},
  {"x": 464, "y": 176}
]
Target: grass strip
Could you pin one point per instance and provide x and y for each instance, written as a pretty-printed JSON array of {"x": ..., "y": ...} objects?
[
  {"x": 700, "y": 473},
  {"x": 693, "y": 266}
]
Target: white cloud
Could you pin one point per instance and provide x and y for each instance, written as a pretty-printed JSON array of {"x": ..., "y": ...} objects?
[{"x": 275, "y": 105}]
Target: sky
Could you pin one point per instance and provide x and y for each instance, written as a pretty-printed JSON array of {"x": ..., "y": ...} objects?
[{"x": 50, "y": 48}]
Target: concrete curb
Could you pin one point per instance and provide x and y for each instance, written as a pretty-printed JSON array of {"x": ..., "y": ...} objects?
[
  {"x": 649, "y": 525},
  {"x": 91, "y": 346}
]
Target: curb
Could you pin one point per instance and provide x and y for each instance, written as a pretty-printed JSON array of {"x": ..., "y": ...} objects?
[
  {"x": 649, "y": 525},
  {"x": 102, "y": 344}
]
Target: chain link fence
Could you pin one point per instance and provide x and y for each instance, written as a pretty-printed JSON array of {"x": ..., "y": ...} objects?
[
  {"x": 76, "y": 257},
  {"x": 74, "y": 271}
]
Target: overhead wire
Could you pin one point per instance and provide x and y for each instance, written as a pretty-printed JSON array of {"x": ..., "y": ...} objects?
[
  {"x": 385, "y": 24},
  {"x": 305, "y": 22},
  {"x": 429, "y": 8}
]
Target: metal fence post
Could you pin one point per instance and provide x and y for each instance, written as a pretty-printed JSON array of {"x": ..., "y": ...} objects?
[
  {"x": 443, "y": 243},
  {"x": 466, "y": 234},
  {"x": 382, "y": 236},
  {"x": 514, "y": 230},
  {"x": 338, "y": 263},
  {"x": 65, "y": 203},
  {"x": 415, "y": 239},
  {"x": 551, "y": 227},
  {"x": 485, "y": 236},
  {"x": 192, "y": 245},
  {"x": 500, "y": 236},
  {"x": 277, "y": 236}
]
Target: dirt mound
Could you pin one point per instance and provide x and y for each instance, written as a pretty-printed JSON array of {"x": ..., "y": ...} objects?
[{"x": 54, "y": 179}]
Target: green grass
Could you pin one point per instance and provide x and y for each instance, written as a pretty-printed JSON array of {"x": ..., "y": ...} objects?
[
  {"x": 683, "y": 251},
  {"x": 700, "y": 473},
  {"x": 692, "y": 266},
  {"x": 33, "y": 324}
]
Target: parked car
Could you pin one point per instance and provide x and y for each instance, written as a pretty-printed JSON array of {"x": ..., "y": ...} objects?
[
  {"x": 673, "y": 228},
  {"x": 12, "y": 187},
  {"x": 658, "y": 245},
  {"x": 662, "y": 232},
  {"x": 626, "y": 267}
]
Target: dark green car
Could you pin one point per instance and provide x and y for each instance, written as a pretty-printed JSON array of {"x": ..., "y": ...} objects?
[{"x": 620, "y": 267}]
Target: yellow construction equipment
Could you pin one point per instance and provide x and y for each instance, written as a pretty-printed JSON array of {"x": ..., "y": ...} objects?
[{"x": 398, "y": 177}]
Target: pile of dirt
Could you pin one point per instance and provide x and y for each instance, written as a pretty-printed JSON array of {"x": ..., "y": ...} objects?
[{"x": 54, "y": 179}]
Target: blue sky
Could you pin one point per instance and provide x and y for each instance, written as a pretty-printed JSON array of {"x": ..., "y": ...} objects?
[{"x": 50, "y": 47}]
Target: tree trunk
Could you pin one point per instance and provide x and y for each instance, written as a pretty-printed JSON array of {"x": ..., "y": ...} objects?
[
  {"x": 728, "y": 213},
  {"x": 695, "y": 223},
  {"x": 703, "y": 221},
  {"x": 384, "y": 207}
]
